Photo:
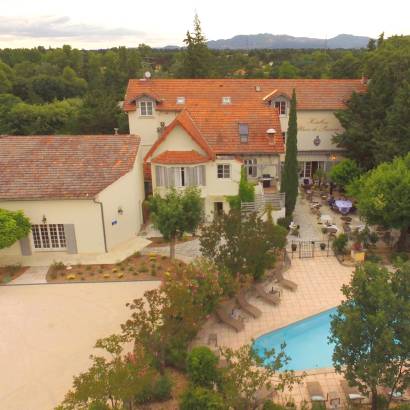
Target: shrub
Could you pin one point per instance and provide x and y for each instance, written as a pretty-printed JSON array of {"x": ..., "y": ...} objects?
[
  {"x": 57, "y": 266},
  {"x": 371, "y": 257},
  {"x": 195, "y": 398},
  {"x": 339, "y": 244},
  {"x": 53, "y": 275},
  {"x": 106, "y": 275},
  {"x": 137, "y": 254},
  {"x": 114, "y": 270},
  {"x": 285, "y": 222},
  {"x": 176, "y": 354},
  {"x": 6, "y": 279},
  {"x": 270, "y": 405},
  {"x": 143, "y": 268},
  {"x": 398, "y": 257},
  {"x": 134, "y": 272},
  {"x": 202, "y": 367},
  {"x": 71, "y": 276},
  {"x": 162, "y": 389},
  {"x": 318, "y": 406},
  {"x": 120, "y": 275}
]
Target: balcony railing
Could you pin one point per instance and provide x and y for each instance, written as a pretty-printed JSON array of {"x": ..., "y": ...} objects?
[{"x": 276, "y": 200}]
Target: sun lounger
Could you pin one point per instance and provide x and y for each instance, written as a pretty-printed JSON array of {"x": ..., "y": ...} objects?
[
  {"x": 272, "y": 298},
  {"x": 352, "y": 393},
  {"x": 246, "y": 306},
  {"x": 315, "y": 392},
  {"x": 286, "y": 283},
  {"x": 228, "y": 320}
]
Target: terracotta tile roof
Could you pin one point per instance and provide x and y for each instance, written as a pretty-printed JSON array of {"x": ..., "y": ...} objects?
[
  {"x": 312, "y": 94},
  {"x": 180, "y": 157},
  {"x": 63, "y": 166},
  {"x": 184, "y": 120}
]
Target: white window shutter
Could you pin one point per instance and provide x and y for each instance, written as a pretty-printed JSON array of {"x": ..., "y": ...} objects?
[{"x": 202, "y": 178}]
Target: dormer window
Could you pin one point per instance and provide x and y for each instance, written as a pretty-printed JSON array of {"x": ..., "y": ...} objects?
[
  {"x": 180, "y": 100},
  {"x": 226, "y": 100},
  {"x": 243, "y": 133},
  {"x": 281, "y": 107},
  {"x": 146, "y": 108}
]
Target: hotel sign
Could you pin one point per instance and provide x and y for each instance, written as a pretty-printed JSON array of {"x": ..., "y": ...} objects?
[{"x": 316, "y": 125}]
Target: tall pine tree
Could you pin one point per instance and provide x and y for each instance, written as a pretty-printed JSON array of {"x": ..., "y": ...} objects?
[
  {"x": 197, "y": 60},
  {"x": 289, "y": 183}
]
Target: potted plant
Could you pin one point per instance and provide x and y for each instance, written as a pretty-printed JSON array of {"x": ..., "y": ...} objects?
[
  {"x": 322, "y": 246},
  {"x": 294, "y": 247},
  {"x": 357, "y": 253}
]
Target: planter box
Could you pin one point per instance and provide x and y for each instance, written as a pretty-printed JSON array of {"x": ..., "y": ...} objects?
[{"x": 358, "y": 256}]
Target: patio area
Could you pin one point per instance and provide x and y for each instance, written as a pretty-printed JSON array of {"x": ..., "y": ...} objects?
[{"x": 319, "y": 282}]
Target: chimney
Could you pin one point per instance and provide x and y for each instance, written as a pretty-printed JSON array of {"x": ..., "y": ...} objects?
[
  {"x": 365, "y": 79},
  {"x": 271, "y": 135}
]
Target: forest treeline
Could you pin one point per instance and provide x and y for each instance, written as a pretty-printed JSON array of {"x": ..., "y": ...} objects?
[{"x": 67, "y": 90}]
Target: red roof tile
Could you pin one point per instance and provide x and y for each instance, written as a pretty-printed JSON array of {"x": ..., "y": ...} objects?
[
  {"x": 180, "y": 157},
  {"x": 185, "y": 121},
  {"x": 63, "y": 166}
]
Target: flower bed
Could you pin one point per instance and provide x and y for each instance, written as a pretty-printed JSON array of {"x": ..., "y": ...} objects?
[
  {"x": 8, "y": 273},
  {"x": 136, "y": 267}
]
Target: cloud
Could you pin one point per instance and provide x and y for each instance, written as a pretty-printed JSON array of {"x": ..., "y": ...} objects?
[{"x": 59, "y": 27}]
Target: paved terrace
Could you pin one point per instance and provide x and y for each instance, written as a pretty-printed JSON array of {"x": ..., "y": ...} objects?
[{"x": 319, "y": 282}]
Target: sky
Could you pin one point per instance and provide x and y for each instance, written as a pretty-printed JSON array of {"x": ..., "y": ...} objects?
[{"x": 102, "y": 23}]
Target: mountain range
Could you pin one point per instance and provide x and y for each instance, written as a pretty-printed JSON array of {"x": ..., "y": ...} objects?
[{"x": 272, "y": 41}]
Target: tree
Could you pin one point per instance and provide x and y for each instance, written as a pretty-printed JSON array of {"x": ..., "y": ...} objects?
[
  {"x": 288, "y": 70},
  {"x": 383, "y": 196},
  {"x": 110, "y": 383},
  {"x": 202, "y": 367},
  {"x": 167, "y": 319},
  {"x": 248, "y": 371},
  {"x": 243, "y": 245},
  {"x": 289, "y": 184},
  {"x": 371, "y": 330},
  {"x": 343, "y": 173},
  {"x": 348, "y": 66},
  {"x": 393, "y": 139},
  {"x": 200, "y": 398},
  {"x": 14, "y": 225},
  {"x": 197, "y": 57},
  {"x": 366, "y": 119},
  {"x": 176, "y": 213}
]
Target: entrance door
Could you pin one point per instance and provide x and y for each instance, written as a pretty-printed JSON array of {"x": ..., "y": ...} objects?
[{"x": 218, "y": 208}]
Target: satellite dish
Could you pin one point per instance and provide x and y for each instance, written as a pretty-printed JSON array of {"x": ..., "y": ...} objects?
[{"x": 147, "y": 75}]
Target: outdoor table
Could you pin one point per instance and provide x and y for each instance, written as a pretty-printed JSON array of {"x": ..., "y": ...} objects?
[
  {"x": 343, "y": 206},
  {"x": 326, "y": 219}
]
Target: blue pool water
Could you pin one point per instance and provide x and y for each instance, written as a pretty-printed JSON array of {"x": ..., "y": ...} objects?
[{"x": 306, "y": 342}]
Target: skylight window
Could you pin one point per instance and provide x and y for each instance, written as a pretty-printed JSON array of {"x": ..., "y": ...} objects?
[
  {"x": 226, "y": 100},
  {"x": 180, "y": 100},
  {"x": 243, "y": 133}
]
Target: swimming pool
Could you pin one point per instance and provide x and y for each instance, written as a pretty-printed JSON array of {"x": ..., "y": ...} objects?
[{"x": 306, "y": 342}]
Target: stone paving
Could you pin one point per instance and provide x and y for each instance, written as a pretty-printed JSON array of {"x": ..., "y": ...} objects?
[{"x": 33, "y": 275}]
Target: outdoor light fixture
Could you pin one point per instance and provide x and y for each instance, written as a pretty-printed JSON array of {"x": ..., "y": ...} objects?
[
  {"x": 333, "y": 157},
  {"x": 44, "y": 220},
  {"x": 120, "y": 210}
]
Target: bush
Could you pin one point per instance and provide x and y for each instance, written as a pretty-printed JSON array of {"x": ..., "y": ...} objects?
[
  {"x": 161, "y": 390},
  {"x": 285, "y": 222},
  {"x": 12, "y": 269},
  {"x": 154, "y": 391},
  {"x": 143, "y": 268},
  {"x": 344, "y": 172},
  {"x": 202, "y": 367},
  {"x": 198, "y": 398},
  {"x": 339, "y": 244},
  {"x": 270, "y": 405},
  {"x": 57, "y": 266},
  {"x": 399, "y": 257},
  {"x": 176, "y": 355},
  {"x": 318, "y": 406},
  {"x": 371, "y": 257}
]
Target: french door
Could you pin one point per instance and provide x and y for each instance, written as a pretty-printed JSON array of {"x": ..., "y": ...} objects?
[{"x": 49, "y": 237}]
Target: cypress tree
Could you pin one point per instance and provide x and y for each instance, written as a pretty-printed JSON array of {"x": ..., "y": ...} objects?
[{"x": 289, "y": 183}]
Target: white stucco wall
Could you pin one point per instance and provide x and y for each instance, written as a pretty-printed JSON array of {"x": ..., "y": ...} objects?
[
  {"x": 179, "y": 140},
  {"x": 84, "y": 214},
  {"x": 146, "y": 127},
  {"x": 127, "y": 193},
  {"x": 312, "y": 123}
]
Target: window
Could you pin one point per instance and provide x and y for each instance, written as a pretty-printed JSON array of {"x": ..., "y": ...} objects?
[
  {"x": 180, "y": 176},
  {"x": 180, "y": 179},
  {"x": 243, "y": 133},
  {"x": 180, "y": 100},
  {"x": 146, "y": 108},
  {"x": 224, "y": 171},
  {"x": 281, "y": 107},
  {"x": 51, "y": 236},
  {"x": 226, "y": 100},
  {"x": 251, "y": 167}
]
